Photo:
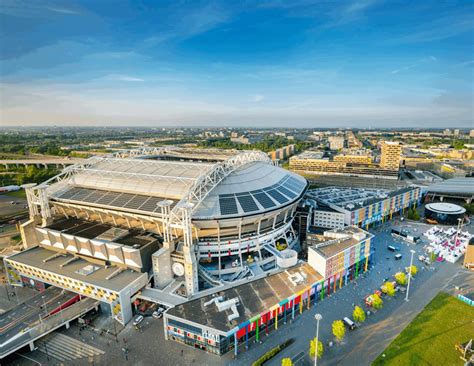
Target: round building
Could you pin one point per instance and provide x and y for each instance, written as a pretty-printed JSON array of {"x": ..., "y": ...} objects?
[{"x": 444, "y": 213}]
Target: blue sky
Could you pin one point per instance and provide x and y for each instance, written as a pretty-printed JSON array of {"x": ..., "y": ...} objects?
[{"x": 299, "y": 63}]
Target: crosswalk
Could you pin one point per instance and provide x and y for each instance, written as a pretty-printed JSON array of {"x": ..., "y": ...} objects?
[{"x": 65, "y": 348}]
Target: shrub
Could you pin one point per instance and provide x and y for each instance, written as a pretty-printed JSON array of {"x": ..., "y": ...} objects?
[
  {"x": 377, "y": 302},
  {"x": 358, "y": 314},
  {"x": 413, "y": 269},
  {"x": 312, "y": 348},
  {"x": 388, "y": 288},
  {"x": 338, "y": 329},
  {"x": 401, "y": 278}
]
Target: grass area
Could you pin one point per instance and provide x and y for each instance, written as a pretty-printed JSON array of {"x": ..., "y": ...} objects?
[
  {"x": 431, "y": 337},
  {"x": 17, "y": 194}
]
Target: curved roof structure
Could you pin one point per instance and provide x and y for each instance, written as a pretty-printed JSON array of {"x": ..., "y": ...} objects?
[
  {"x": 250, "y": 189},
  {"x": 445, "y": 208},
  {"x": 246, "y": 183}
]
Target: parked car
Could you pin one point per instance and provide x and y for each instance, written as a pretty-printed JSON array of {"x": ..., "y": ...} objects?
[
  {"x": 137, "y": 320},
  {"x": 398, "y": 257},
  {"x": 349, "y": 323},
  {"x": 158, "y": 313},
  {"x": 393, "y": 248}
]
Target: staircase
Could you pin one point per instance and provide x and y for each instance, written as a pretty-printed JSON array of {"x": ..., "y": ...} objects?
[{"x": 65, "y": 348}]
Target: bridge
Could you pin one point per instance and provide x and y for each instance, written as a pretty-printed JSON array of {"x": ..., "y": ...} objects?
[
  {"x": 39, "y": 316},
  {"x": 41, "y": 162}
]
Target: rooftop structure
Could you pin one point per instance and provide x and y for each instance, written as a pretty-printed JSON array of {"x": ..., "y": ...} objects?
[
  {"x": 462, "y": 188},
  {"x": 390, "y": 156},
  {"x": 362, "y": 206}
]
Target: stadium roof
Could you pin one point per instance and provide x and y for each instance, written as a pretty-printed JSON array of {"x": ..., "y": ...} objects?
[
  {"x": 457, "y": 186},
  {"x": 251, "y": 189}
]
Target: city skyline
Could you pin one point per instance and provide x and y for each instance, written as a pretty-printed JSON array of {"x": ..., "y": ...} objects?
[{"x": 300, "y": 64}]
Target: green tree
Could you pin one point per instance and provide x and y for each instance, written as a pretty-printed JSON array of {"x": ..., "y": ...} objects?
[
  {"x": 377, "y": 302},
  {"x": 338, "y": 329},
  {"x": 358, "y": 314},
  {"x": 286, "y": 362},
  {"x": 312, "y": 348},
  {"x": 413, "y": 269},
  {"x": 401, "y": 278},
  {"x": 410, "y": 214},
  {"x": 388, "y": 288}
]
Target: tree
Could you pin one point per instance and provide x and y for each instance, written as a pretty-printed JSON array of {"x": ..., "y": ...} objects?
[
  {"x": 377, "y": 302},
  {"x": 358, "y": 314},
  {"x": 401, "y": 278},
  {"x": 388, "y": 288},
  {"x": 286, "y": 362},
  {"x": 312, "y": 348},
  {"x": 338, "y": 329},
  {"x": 413, "y": 269}
]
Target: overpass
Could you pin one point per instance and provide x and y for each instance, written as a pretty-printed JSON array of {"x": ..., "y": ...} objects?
[
  {"x": 41, "y": 162},
  {"x": 39, "y": 316}
]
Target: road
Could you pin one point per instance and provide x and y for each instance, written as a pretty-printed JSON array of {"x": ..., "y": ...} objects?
[{"x": 27, "y": 314}]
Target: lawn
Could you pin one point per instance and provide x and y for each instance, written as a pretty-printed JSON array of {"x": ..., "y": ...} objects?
[{"x": 431, "y": 337}]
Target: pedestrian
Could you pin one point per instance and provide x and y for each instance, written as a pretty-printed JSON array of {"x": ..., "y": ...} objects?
[{"x": 182, "y": 352}]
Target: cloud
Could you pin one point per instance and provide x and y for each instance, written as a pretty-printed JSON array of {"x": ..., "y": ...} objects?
[
  {"x": 63, "y": 10},
  {"x": 125, "y": 78},
  {"x": 414, "y": 65},
  {"x": 257, "y": 98}
]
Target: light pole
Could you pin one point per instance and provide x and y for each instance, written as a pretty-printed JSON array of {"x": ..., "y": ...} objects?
[
  {"x": 457, "y": 231},
  {"x": 318, "y": 317},
  {"x": 44, "y": 305},
  {"x": 409, "y": 273}
]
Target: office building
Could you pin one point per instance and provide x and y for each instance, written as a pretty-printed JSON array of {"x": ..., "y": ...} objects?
[{"x": 390, "y": 155}]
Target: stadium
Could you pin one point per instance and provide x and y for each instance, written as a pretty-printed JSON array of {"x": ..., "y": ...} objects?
[{"x": 177, "y": 220}]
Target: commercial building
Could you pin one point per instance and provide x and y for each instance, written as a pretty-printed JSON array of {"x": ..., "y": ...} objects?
[
  {"x": 327, "y": 217},
  {"x": 103, "y": 228},
  {"x": 444, "y": 213},
  {"x": 228, "y": 320},
  {"x": 456, "y": 188},
  {"x": 313, "y": 163},
  {"x": 362, "y": 207},
  {"x": 469, "y": 256},
  {"x": 339, "y": 255},
  {"x": 282, "y": 153},
  {"x": 390, "y": 155}
]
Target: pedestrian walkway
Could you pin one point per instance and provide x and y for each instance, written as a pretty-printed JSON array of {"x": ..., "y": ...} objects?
[{"x": 65, "y": 348}]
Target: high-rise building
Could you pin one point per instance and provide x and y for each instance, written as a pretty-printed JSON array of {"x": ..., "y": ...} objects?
[
  {"x": 391, "y": 152},
  {"x": 471, "y": 133},
  {"x": 456, "y": 132},
  {"x": 447, "y": 132}
]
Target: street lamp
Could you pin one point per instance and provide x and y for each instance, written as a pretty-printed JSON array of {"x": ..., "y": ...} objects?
[
  {"x": 318, "y": 317},
  {"x": 44, "y": 304},
  {"x": 409, "y": 273}
]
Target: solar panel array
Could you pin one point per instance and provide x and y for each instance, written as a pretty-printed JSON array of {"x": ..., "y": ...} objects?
[
  {"x": 287, "y": 189},
  {"x": 113, "y": 199}
]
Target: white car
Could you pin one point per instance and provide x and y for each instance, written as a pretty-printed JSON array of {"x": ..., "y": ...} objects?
[
  {"x": 138, "y": 320},
  {"x": 157, "y": 314}
]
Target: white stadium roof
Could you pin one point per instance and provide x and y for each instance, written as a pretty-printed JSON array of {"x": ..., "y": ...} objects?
[{"x": 244, "y": 184}]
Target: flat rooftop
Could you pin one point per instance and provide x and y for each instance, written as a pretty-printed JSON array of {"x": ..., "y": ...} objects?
[
  {"x": 107, "y": 233},
  {"x": 352, "y": 199},
  {"x": 255, "y": 298},
  {"x": 36, "y": 257},
  {"x": 459, "y": 186},
  {"x": 353, "y": 236}
]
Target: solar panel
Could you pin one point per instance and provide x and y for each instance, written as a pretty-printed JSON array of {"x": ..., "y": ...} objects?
[
  {"x": 286, "y": 192},
  {"x": 264, "y": 200},
  {"x": 278, "y": 196},
  {"x": 114, "y": 199},
  {"x": 247, "y": 203},
  {"x": 228, "y": 205}
]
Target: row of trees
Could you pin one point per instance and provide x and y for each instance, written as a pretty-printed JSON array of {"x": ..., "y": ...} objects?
[{"x": 413, "y": 214}]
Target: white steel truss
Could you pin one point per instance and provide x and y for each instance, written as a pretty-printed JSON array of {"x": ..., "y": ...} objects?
[{"x": 206, "y": 183}]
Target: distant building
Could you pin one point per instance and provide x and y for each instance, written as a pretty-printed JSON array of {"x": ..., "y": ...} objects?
[
  {"x": 390, "y": 157},
  {"x": 336, "y": 142},
  {"x": 447, "y": 132},
  {"x": 471, "y": 133},
  {"x": 456, "y": 132}
]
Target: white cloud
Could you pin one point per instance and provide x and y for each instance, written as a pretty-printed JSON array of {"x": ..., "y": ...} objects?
[
  {"x": 63, "y": 10},
  {"x": 125, "y": 78},
  {"x": 256, "y": 98}
]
